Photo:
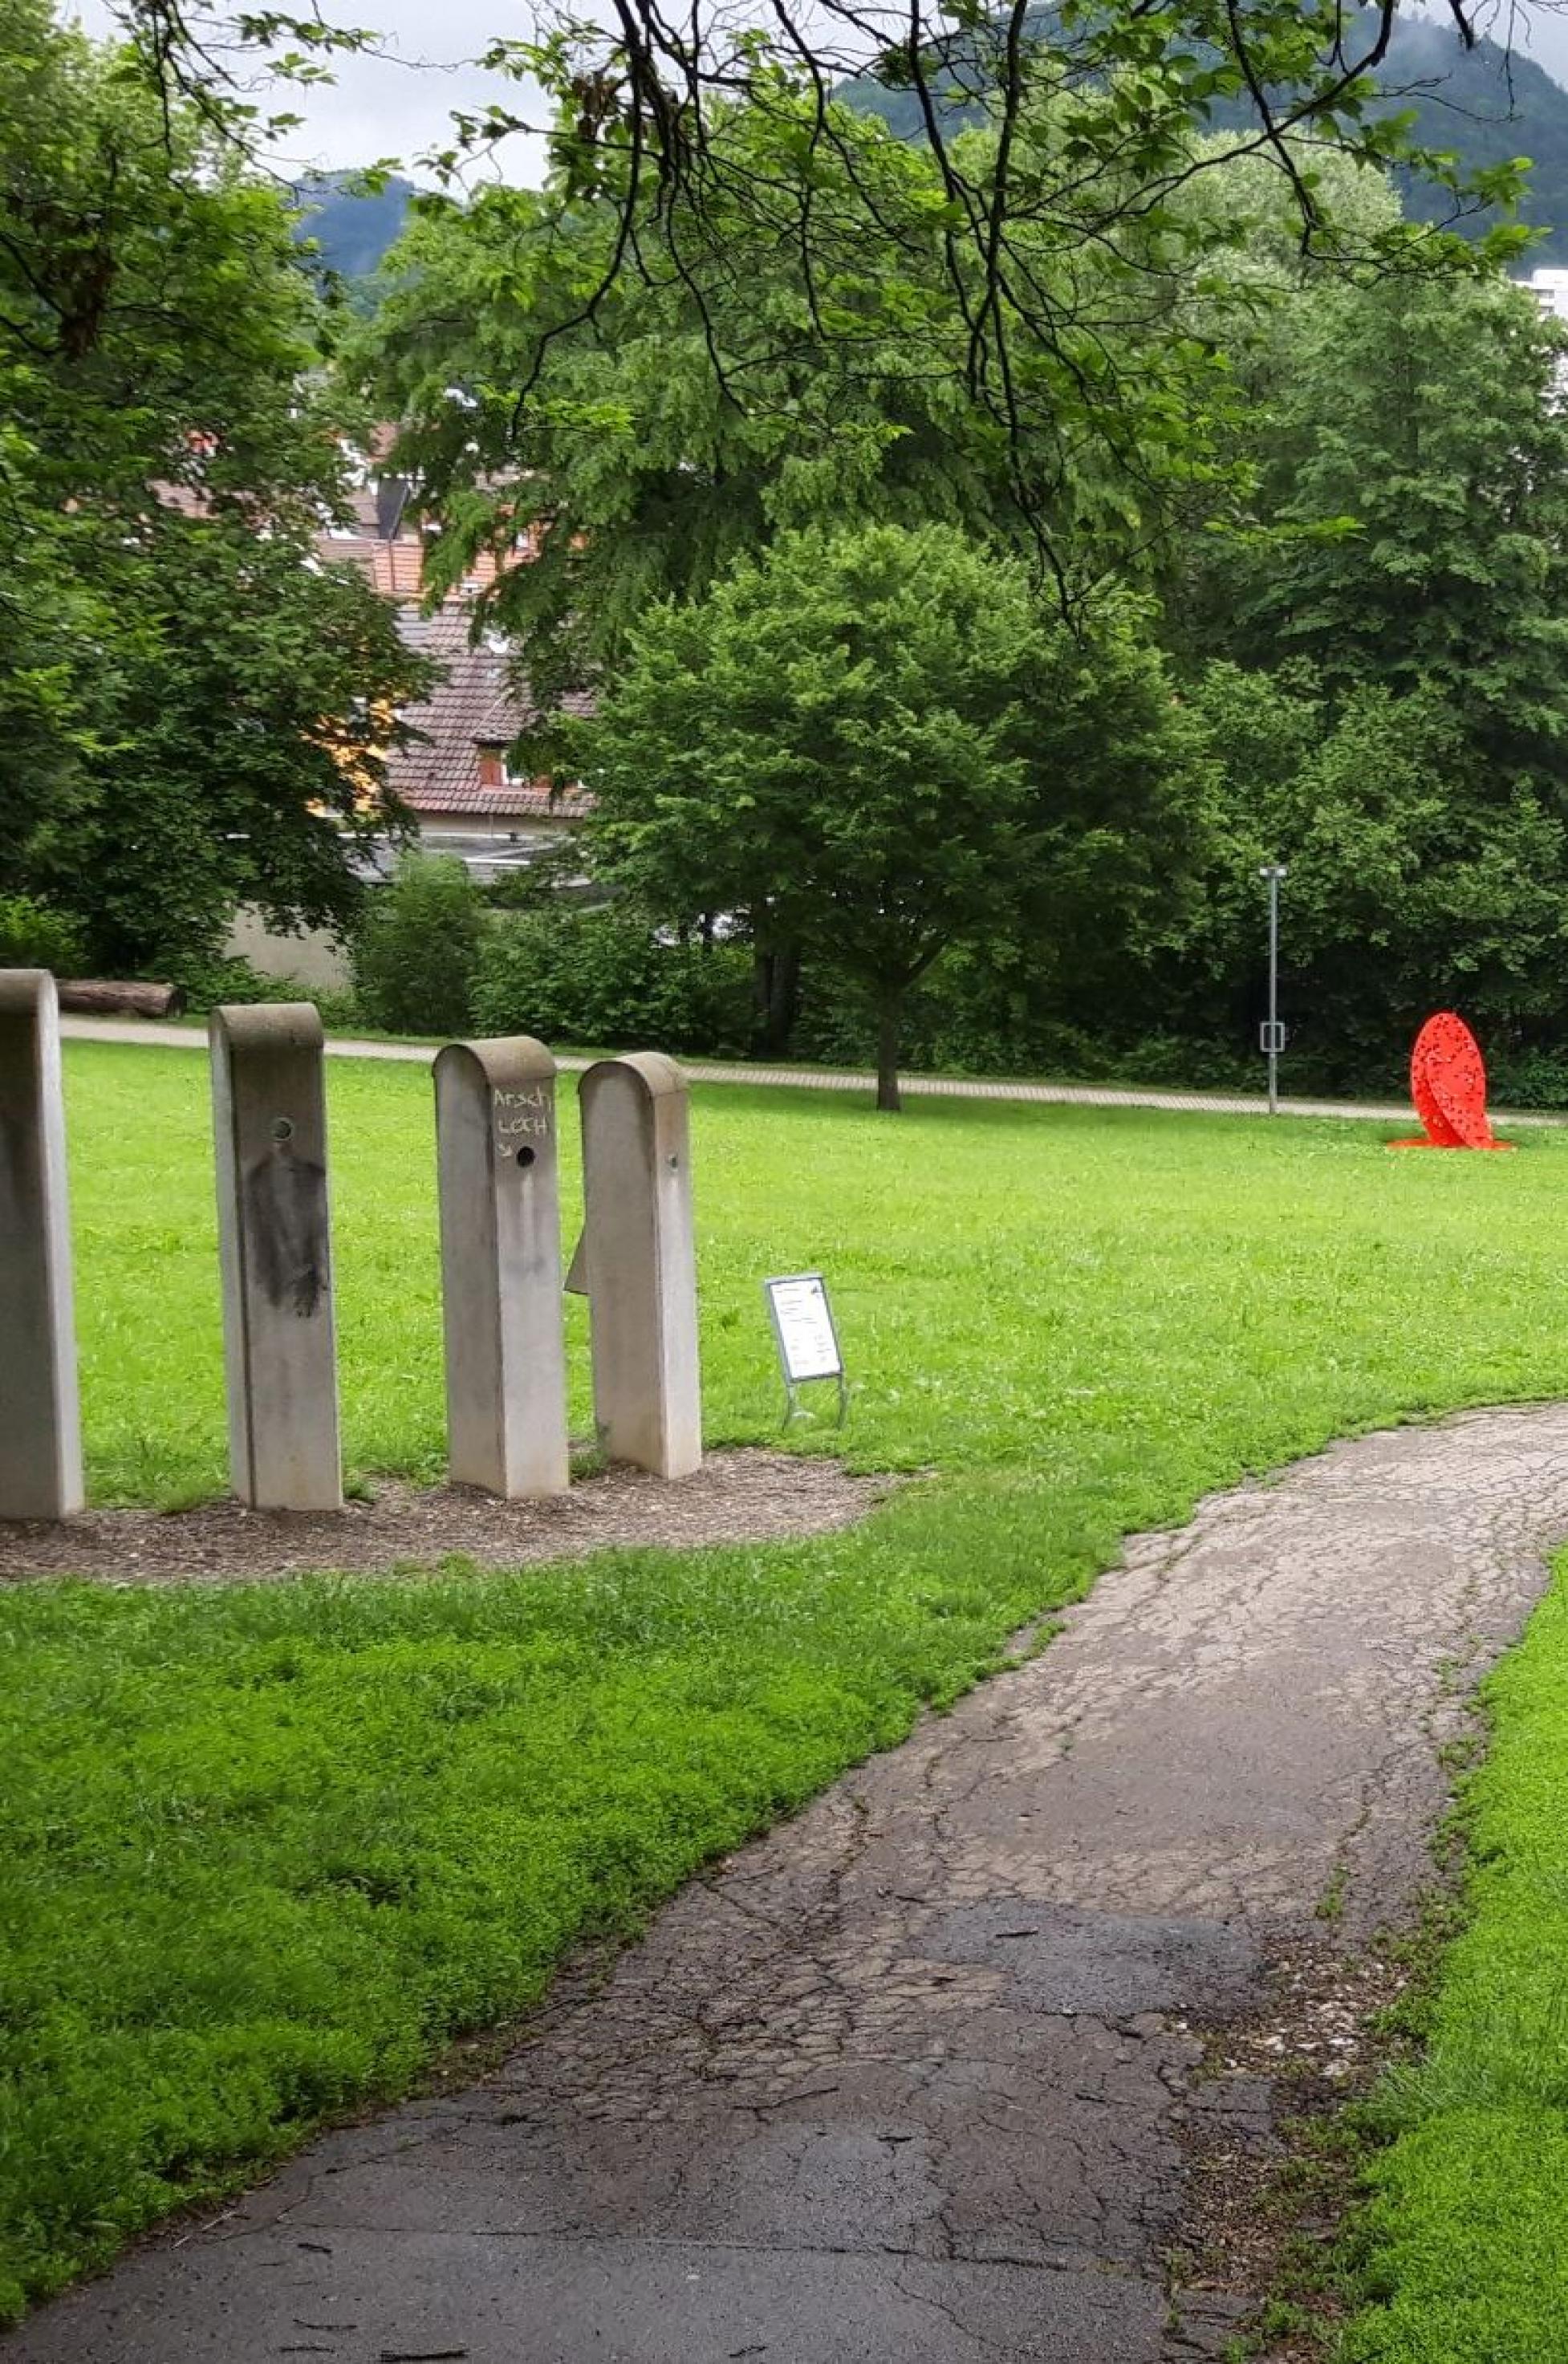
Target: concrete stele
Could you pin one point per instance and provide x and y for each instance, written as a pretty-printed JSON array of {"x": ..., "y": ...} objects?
[
  {"x": 639, "y": 1260},
  {"x": 501, "y": 1296},
  {"x": 274, "y": 1242},
  {"x": 40, "y": 1428}
]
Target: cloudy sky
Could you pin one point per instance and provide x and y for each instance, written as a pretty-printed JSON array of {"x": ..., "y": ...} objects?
[{"x": 397, "y": 103}]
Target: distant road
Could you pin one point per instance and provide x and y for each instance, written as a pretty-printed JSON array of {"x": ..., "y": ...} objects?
[{"x": 816, "y": 1079}]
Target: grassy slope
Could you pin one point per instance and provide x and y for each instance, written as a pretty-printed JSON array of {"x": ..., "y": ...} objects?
[
  {"x": 271, "y": 1845},
  {"x": 1467, "y": 2255}
]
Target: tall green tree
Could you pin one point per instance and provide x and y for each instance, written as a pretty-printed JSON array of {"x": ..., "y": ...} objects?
[
  {"x": 1417, "y": 877},
  {"x": 877, "y": 745},
  {"x": 1048, "y": 235},
  {"x": 635, "y": 434},
  {"x": 199, "y": 708},
  {"x": 1408, "y": 457},
  {"x": 635, "y": 379},
  {"x": 1005, "y": 294},
  {"x": 1376, "y": 640}
]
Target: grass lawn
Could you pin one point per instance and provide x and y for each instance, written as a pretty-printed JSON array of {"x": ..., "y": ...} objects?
[
  {"x": 1467, "y": 2238},
  {"x": 269, "y": 1847}
]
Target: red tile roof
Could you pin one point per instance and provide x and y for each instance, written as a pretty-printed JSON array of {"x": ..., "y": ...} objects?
[
  {"x": 474, "y": 707},
  {"x": 386, "y": 540},
  {"x": 395, "y": 568}
]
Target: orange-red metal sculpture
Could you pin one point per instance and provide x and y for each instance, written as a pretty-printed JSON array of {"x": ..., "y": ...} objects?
[{"x": 1448, "y": 1084}]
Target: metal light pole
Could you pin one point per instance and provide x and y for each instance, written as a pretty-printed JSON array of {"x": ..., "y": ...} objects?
[{"x": 1271, "y": 1033}]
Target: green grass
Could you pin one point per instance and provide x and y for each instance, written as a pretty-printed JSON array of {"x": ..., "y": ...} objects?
[
  {"x": 1466, "y": 2242},
  {"x": 1156, "y": 1299},
  {"x": 269, "y": 1847}
]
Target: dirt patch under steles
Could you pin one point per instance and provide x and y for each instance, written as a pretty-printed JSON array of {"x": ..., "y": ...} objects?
[{"x": 734, "y": 1498}]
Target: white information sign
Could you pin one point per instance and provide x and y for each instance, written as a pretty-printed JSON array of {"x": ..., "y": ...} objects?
[{"x": 803, "y": 1323}]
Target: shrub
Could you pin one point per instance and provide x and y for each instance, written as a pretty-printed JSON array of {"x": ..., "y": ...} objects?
[
  {"x": 972, "y": 1016},
  {"x": 207, "y": 982},
  {"x": 417, "y": 949},
  {"x": 32, "y": 936},
  {"x": 1528, "y": 1079},
  {"x": 604, "y": 979}
]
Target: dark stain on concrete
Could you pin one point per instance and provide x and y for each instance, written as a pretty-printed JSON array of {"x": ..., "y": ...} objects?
[
  {"x": 1062, "y": 1958},
  {"x": 285, "y": 1228}
]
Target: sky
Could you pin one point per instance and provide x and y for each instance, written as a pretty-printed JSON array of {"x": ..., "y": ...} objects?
[{"x": 397, "y": 104}]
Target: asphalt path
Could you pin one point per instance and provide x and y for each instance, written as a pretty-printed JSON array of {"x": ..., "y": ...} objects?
[
  {"x": 819, "y": 1079},
  {"x": 934, "y": 2073}
]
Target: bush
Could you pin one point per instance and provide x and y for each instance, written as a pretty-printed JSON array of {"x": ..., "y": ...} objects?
[
  {"x": 602, "y": 979},
  {"x": 32, "y": 936},
  {"x": 417, "y": 949},
  {"x": 1528, "y": 1079},
  {"x": 206, "y": 982},
  {"x": 971, "y": 1015}
]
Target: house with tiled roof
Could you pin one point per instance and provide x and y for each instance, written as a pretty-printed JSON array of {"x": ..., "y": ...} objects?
[
  {"x": 382, "y": 538},
  {"x": 454, "y": 776}
]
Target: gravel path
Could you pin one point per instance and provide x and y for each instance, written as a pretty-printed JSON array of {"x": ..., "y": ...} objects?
[
  {"x": 952, "y": 1087},
  {"x": 916, "y": 2079}
]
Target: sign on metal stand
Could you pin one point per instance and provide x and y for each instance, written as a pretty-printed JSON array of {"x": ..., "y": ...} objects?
[{"x": 806, "y": 1337}]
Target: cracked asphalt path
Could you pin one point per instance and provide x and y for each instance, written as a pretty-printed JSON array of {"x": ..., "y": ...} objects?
[{"x": 912, "y": 2081}]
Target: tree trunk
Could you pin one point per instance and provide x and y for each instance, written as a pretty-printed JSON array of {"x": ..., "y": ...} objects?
[
  {"x": 775, "y": 996},
  {"x": 762, "y": 996},
  {"x": 783, "y": 1001},
  {"x": 889, "y": 1012},
  {"x": 116, "y": 1000}
]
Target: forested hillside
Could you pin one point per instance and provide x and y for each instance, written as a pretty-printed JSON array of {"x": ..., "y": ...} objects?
[
  {"x": 352, "y": 225},
  {"x": 1483, "y": 103}
]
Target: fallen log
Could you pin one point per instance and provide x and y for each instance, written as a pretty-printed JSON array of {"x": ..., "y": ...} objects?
[{"x": 107, "y": 999}]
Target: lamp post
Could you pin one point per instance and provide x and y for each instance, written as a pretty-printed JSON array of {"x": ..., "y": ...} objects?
[{"x": 1271, "y": 1033}]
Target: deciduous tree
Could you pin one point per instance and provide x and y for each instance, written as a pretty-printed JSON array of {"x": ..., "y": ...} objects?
[
  {"x": 194, "y": 706},
  {"x": 877, "y": 744}
]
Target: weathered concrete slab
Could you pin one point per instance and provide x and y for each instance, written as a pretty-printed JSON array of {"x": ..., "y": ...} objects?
[
  {"x": 506, "y": 1353},
  {"x": 913, "y": 2077},
  {"x": 280, "y": 1336},
  {"x": 530, "y": 2300},
  {"x": 41, "y": 1427},
  {"x": 639, "y": 1259}
]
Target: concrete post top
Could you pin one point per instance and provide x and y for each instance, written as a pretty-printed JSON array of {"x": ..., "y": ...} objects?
[
  {"x": 25, "y": 991},
  {"x": 659, "y": 1076},
  {"x": 505, "y": 1061},
  {"x": 268, "y": 1026}
]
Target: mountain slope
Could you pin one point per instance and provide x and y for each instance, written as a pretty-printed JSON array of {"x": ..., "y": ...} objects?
[
  {"x": 352, "y": 226},
  {"x": 1482, "y": 104}
]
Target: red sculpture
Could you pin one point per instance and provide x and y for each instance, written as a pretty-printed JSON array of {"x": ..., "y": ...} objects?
[{"x": 1448, "y": 1083}]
